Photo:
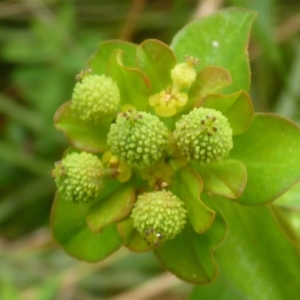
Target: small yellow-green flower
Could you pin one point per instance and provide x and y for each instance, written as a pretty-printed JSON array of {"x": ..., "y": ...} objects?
[
  {"x": 166, "y": 103},
  {"x": 184, "y": 74}
]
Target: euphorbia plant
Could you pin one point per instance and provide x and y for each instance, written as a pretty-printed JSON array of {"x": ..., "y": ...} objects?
[{"x": 165, "y": 148}]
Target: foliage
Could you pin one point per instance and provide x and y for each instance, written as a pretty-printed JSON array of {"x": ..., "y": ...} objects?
[
  {"x": 42, "y": 46},
  {"x": 262, "y": 165}
]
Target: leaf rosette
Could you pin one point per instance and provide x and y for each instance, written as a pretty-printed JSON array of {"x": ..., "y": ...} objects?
[{"x": 222, "y": 149}]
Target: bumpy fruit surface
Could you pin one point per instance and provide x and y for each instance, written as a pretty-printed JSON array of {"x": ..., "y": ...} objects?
[
  {"x": 79, "y": 176},
  {"x": 95, "y": 97},
  {"x": 137, "y": 138},
  {"x": 203, "y": 135},
  {"x": 158, "y": 216}
]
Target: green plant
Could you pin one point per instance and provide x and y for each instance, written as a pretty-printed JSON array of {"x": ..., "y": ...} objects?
[{"x": 185, "y": 130}]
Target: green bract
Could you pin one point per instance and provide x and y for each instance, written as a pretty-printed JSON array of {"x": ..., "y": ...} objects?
[
  {"x": 203, "y": 135},
  {"x": 79, "y": 176},
  {"x": 174, "y": 132},
  {"x": 137, "y": 138},
  {"x": 95, "y": 97}
]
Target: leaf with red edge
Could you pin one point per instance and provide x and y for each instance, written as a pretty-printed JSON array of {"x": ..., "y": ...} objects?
[
  {"x": 220, "y": 39},
  {"x": 98, "y": 61},
  {"x": 237, "y": 107},
  {"x": 131, "y": 238},
  {"x": 226, "y": 178},
  {"x": 69, "y": 228},
  {"x": 211, "y": 79},
  {"x": 135, "y": 86},
  {"x": 112, "y": 208},
  {"x": 156, "y": 59},
  {"x": 256, "y": 260},
  {"x": 187, "y": 185},
  {"x": 82, "y": 135},
  {"x": 270, "y": 151},
  {"x": 189, "y": 255}
]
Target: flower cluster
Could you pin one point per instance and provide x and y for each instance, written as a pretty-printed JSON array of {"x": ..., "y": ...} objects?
[
  {"x": 157, "y": 138},
  {"x": 140, "y": 142},
  {"x": 167, "y": 102}
]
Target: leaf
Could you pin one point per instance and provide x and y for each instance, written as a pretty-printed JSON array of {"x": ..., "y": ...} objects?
[
  {"x": 112, "y": 208},
  {"x": 82, "y": 135},
  {"x": 209, "y": 80},
  {"x": 189, "y": 255},
  {"x": 156, "y": 60},
  {"x": 290, "y": 199},
  {"x": 220, "y": 289},
  {"x": 187, "y": 185},
  {"x": 289, "y": 221},
  {"x": 135, "y": 87},
  {"x": 270, "y": 151},
  {"x": 256, "y": 261},
  {"x": 226, "y": 178},
  {"x": 71, "y": 231},
  {"x": 131, "y": 238},
  {"x": 237, "y": 107},
  {"x": 8, "y": 288},
  {"x": 50, "y": 288},
  {"x": 98, "y": 61},
  {"x": 220, "y": 39}
]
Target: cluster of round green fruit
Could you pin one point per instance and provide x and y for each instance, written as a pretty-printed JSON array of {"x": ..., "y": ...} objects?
[{"x": 140, "y": 140}]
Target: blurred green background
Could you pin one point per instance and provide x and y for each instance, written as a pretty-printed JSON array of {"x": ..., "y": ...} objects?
[{"x": 43, "y": 45}]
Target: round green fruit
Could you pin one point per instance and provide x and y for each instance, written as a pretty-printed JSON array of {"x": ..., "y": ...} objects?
[
  {"x": 203, "y": 135},
  {"x": 137, "y": 138},
  {"x": 158, "y": 216},
  {"x": 95, "y": 97},
  {"x": 79, "y": 177}
]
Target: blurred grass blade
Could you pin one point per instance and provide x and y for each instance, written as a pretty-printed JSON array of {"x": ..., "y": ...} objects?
[
  {"x": 50, "y": 288},
  {"x": 288, "y": 102},
  {"x": 31, "y": 163},
  {"x": 7, "y": 290},
  {"x": 263, "y": 30},
  {"x": 22, "y": 195},
  {"x": 22, "y": 115}
]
